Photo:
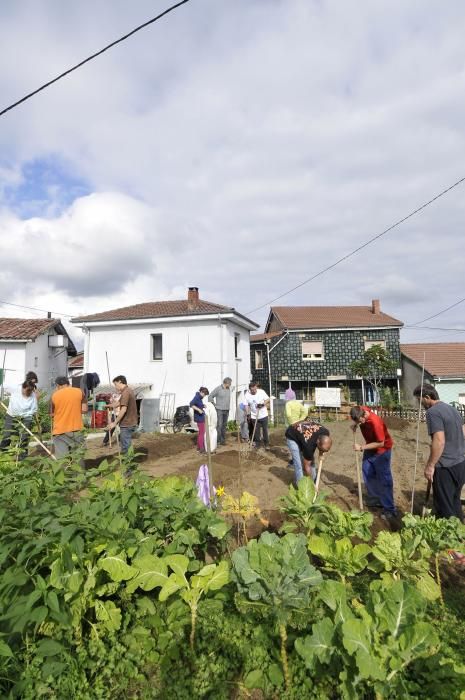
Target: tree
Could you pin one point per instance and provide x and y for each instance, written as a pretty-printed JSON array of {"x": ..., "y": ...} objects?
[{"x": 375, "y": 365}]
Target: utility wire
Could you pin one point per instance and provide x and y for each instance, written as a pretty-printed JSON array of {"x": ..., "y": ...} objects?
[
  {"x": 94, "y": 55},
  {"x": 361, "y": 247},
  {"x": 33, "y": 308},
  {"x": 438, "y": 313},
  {"x": 434, "y": 328}
]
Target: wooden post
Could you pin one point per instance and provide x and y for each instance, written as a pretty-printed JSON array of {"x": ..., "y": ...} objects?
[
  {"x": 34, "y": 437},
  {"x": 359, "y": 479}
]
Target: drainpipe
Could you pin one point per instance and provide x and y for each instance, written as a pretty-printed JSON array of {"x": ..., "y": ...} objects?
[
  {"x": 86, "y": 332},
  {"x": 221, "y": 348},
  {"x": 267, "y": 343},
  {"x": 268, "y": 351}
]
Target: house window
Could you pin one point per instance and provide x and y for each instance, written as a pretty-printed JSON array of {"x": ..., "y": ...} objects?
[
  {"x": 371, "y": 343},
  {"x": 157, "y": 346},
  {"x": 236, "y": 345},
  {"x": 258, "y": 359},
  {"x": 312, "y": 350}
]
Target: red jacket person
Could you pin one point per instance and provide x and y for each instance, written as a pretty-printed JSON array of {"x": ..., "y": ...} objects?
[{"x": 376, "y": 463}]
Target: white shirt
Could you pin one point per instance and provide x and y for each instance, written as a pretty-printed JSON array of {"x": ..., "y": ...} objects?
[
  {"x": 253, "y": 400},
  {"x": 23, "y": 406}
]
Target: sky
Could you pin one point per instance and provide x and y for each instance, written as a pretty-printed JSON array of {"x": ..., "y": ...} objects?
[{"x": 239, "y": 146}]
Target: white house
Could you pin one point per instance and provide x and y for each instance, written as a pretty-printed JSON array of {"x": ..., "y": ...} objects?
[
  {"x": 38, "y": 344},
  {"x": 170, "y": 347}
]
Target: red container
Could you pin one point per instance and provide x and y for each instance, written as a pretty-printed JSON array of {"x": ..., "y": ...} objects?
[{"x": 99, "y": 419}]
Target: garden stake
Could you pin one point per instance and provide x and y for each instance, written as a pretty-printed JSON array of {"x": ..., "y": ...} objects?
[
  {"x": 109, "y": 383},
  {"x": 318, "y": 477},
  {"x": 34, "y": 437},
  {"x": 359, "y": 480},
  {"x": 418, "y": 433}
]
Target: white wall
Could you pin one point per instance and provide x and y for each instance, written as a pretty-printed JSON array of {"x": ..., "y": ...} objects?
[
  {"x": 15, "y": 363},
  {"x": 47, "y": 363},
  {"x": 129, "y": 351}
]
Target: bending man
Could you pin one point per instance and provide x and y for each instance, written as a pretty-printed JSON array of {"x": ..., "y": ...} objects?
[
  {"x": 376, "y": 462},
  {"x": 303, "y": 438}
]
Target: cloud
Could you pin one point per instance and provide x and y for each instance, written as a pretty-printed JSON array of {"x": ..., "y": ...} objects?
[
  {"x": 238, "y": 147},
  {"x": 96, "y": 246}
]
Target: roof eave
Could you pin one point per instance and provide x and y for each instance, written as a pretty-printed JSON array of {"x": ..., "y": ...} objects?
[{"x": 228, "y": 313}]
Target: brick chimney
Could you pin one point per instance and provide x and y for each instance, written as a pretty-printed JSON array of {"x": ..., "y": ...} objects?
[
  {"x": 375, "y": 306},
  {"x": 192, "y": 298}
]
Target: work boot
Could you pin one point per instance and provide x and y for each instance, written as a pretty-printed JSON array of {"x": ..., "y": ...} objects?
[{"x": 373, "y": 502}]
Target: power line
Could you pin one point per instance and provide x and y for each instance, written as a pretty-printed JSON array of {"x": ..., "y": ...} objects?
[
  {"x": 94, "y": 55},
  {"x": 439, "y": 312},
  {"x": 434, "y": 328},
  {"x": 361, "y": 247},
  {"x": 34, "y": 308}
]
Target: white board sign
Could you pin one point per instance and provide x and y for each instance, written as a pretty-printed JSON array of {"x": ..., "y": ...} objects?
[{"x": 330, "y": 398}]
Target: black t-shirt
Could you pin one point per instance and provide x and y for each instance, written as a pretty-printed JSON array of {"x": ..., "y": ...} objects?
[{"x": 305, "y": 434}]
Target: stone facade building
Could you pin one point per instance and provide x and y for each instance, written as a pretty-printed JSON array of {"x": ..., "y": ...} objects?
[{"x": 304, "y": 347}]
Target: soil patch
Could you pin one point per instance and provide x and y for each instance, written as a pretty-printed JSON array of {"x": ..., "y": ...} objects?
[{"x": 266, "y": 474}]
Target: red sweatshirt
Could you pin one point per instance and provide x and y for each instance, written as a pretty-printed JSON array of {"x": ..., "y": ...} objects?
[{"x": 374, "y": 430}]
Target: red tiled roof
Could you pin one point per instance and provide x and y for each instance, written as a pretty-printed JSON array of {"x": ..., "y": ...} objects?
[
  {"x": 441, "y": 359},
  {"x": 77, "y": 361},
  {"x": 303, "y": 317},
  {"x": 25, "y": 328},
  {"x": 260, "y": 337},
  {"x": 155, "y": 309}
]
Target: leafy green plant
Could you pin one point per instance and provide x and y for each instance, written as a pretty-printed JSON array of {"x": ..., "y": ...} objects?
[
  {"x": 210, "y": 578},
  {"x": 340, "y": 556},
  {"x": 439, "y": 534},
  {"x": 304, "y": 506},
  {"x": 339, "y": 523},
  {"x": 370, "y": 644},
  {"x": 275, "y": 574},
  {"x": 406, "y": 559}
]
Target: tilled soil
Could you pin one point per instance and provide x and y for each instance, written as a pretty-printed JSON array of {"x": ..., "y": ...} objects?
[{"x": 265, "y": 474}]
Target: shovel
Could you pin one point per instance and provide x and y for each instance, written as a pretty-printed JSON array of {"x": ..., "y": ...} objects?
[
  {"x": 425, "y": 511},
  {"x": 318, "y": 477}
]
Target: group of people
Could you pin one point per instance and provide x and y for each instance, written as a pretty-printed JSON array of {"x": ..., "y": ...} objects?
[
  {"x": 67, "y": 406},
  {"x": 253, "y": 407},
  {"x": 444, "y": 469}
]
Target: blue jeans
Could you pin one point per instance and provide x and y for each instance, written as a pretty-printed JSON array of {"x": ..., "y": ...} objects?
[
  {"x": 297, "y": 461},
  {"x": 221, "y": 425},
  {"x": 126, "y": 438},
  {"x": 377, "y": 476}
]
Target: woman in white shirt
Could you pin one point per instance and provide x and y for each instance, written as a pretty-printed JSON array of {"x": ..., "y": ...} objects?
[{"x": 21, "y": 409}]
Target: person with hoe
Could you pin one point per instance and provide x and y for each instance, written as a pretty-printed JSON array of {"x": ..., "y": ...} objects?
[
  {"x": 127, "y": 417},
  {"x": 445, "y": 467},
  {"x": 257, "y": 408},
  {"x": 22, "y": 407},
  {"x": 198, "y": 407},
  {"x": 303, "y": 439},
  {"x": 221, "y": 399},
  {"x": 376, "y": 461}
]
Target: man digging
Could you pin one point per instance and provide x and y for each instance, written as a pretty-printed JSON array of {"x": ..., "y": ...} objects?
[
  {"x": 376, "y": 460},
  {"x": 303, "y": 439}
]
